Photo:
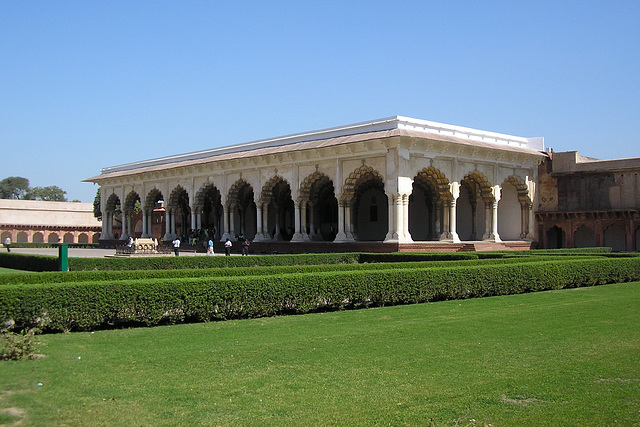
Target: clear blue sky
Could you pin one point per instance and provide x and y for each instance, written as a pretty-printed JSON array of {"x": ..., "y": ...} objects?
[{"x": 87, "y": 84}]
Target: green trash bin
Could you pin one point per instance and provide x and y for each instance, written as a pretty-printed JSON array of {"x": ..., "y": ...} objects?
[{"x": 63, "y": 258}]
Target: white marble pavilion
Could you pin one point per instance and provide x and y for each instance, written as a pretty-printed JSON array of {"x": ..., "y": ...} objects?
[{"x": 396, "y": 179}]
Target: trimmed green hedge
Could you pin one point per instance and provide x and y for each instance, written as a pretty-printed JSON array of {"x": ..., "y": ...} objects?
[
  {"x": 171, "y": 262},
  {"x": 81, "y": 306},
  {"x": 49, "y": 263},
  {"x": 28, "y": 262},
  {"x": 94, "y": 276}
]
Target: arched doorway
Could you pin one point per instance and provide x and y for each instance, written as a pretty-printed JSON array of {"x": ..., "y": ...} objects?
[
  {"x": 153, "y": 216},
  {"x": 208, "y": 205},
  {"x": 318, "y": 199},
  {"x": 364, "y": 195},
  {"x": 179, "y": 213},
  {"x": 242, "y": 210},
  {"x": 426, "y": 203},
  {"x": 280, "y": 209},
  {"x": 513, "y": 209},
  {"x": 473, "y": 218},
  {"x": 113, "y": 217},
  {"x": 556, "y": 238},
  {"x": 132, "y": 215}
]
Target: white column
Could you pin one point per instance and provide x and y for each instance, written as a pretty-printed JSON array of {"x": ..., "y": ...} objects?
[
  {"x": 312, "y": 222},
  {"x": 391, "y": 220},
  {"x": 145, "y": 233},
  {"x": 303, "y": 219},
  {"x": 199, "y": 220},
  {"x": 523, "y": 220},
  {"x": 297, "y": 235},
  {"x": 123, "y": 235},
  {"x": 104, "y": 232},
  {"x": 438, "y": 217},
  {"x": 341, "y": 236},
  {"x": 446, "y": 213},
  {"x": 232, "y": 222},
  {"x": 225, "y": 220},
  {"x": 265, "y": 221},
  {"x": 494, "y": 222},
  {"x": 494, "y": 214},
  {"x": 167, "y": 225},
  {"x": 193, "y": 219},
  {"x": 173, "y": 224},
  {"x": 405, "y": 220},
  {"x": 530, "y": 223},
  {"x": 454, "y": 188},
  {"x": 487, "y": 221},
  {"x": 109, "y": 226},
  {"x": 348, "y": 222},
  {"x": 259, "y": 237},
  {"x": 399, "y": 215},
  {"x": 453, "y": 219}
]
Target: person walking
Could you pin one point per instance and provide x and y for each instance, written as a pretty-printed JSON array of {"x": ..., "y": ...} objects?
[
  {"x": 245, "y": 247},
  {"x": 176, "y": 246},
  {"x": 210, "y": 247},
  {"x": 7, "y": 244},
  {"x": 227, "y": 247}
]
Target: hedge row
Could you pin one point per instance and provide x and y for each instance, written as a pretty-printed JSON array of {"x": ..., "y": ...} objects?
[
  {"x": 79, "y": 306},
  {"x": 28, "y": 262},
  {"x": 565, "y": 251},
  {"x": 49, "y": 263},
  {"x": 95, "y": 276}
]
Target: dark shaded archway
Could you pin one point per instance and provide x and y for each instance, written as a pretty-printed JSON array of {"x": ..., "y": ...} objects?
[
  {"x": 280, "y": 209},
  {"x": 318, "y": 197}
]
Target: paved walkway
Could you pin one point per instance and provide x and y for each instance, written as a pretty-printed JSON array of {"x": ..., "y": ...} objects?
[{"x": 85, "y": 253}]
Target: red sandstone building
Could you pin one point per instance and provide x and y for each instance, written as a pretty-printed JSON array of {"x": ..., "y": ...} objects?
[
  {"x": 31, "y": 221},
  {"x": 584, "y": 202}
]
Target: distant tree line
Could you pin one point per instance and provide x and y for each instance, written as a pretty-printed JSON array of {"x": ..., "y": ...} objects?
[{"x": 17, "y": 187}]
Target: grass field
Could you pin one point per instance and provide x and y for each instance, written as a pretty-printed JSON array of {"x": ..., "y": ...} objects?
[
  {"x": 568, "y": 357},
  {"x": 10, "y": 270}
]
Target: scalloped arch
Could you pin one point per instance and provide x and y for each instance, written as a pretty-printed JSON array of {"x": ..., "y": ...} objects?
[
  {"x": 130, "y": 201},
  {"x": 484, "y": 184},
  {"x": 235, "y": 189},
  {"x": 176, "y": 195},
  {"x": 112, "y": 202},
  {"x": 152, "y": 197},
  {"x": 521, "y": 188},
  {"x": 435, "y": 180},
  {"x": 315, "y": 179},
  {"x": 359, "y": 177},
  {"x": 267, "y": 188},
  {"x": 207, "y": 188}
]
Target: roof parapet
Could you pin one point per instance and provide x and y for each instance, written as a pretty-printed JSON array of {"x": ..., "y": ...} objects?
[{"x": 389, "y": 123}]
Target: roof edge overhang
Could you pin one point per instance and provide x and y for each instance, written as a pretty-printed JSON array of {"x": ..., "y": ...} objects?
[{"x": 385, "y": 124}]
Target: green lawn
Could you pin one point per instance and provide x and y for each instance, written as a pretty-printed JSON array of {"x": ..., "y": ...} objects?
[
  {"x": 568, "y": 357},
  {"x": 10, "y": 270}
]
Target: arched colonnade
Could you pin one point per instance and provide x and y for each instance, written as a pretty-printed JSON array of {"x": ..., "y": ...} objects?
[{"x": 366, "y": 206}]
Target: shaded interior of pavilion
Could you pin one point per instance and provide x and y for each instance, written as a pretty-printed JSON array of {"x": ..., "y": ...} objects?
[{"x": 434, "y": 211}]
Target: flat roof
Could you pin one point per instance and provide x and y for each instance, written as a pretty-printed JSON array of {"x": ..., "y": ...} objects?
[{"x": 386, "y": 127}]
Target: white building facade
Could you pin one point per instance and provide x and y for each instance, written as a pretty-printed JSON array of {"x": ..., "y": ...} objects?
[{"x": 396, "y": 180}]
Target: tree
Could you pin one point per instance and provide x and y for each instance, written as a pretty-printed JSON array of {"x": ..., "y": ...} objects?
[
  {"x": 96, "y": 206},
  {"x": 52, "y": 193},
  {"x": 13, "y": 187}
]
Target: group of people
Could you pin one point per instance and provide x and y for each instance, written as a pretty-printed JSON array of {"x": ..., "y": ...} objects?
[{"x": 210, "y": 251}]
